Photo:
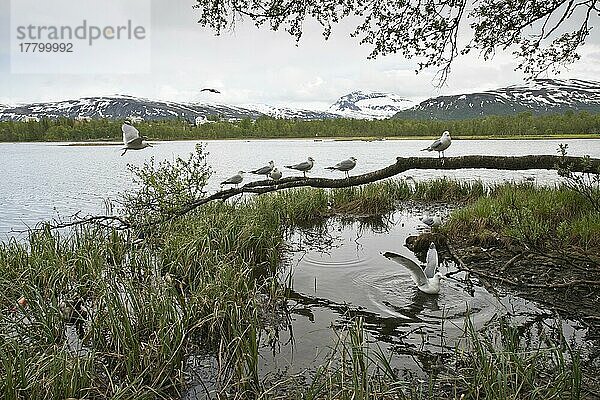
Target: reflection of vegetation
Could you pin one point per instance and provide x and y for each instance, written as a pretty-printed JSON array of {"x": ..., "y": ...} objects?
[
  {"x": 524, "y": 124},
  {"x": 205, "y": 282},
  {"x": 496, "y": 363}
]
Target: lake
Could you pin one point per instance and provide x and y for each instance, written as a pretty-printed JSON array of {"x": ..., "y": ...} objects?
[
  {"x": 334, "y": 271},
  {"x": 46, "y": 180}
]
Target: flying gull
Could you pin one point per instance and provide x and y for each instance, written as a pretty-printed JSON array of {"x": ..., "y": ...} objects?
[
  {"x": 344, "y": 166},
  {"x": 132, "y": 139},
  {"x": 210, "y": 90},
  {"x": 235, "y": 179},
  {"x": 425, "y": 284},
  {"x": 441, "y": 144},
  {"x": 266, "y": 170},
  {"x": 303, "y": 166}
]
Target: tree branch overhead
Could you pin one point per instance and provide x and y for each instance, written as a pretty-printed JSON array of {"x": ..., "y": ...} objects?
[{"x": 539, "y": 32}]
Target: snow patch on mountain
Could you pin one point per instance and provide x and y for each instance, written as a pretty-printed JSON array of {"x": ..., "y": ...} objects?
[
  {"x": 291, "y": 113},
  {"x": 540, "y": 96},
  {"x": 370, "y": 105},
  {"x": 121, "y": 107}
]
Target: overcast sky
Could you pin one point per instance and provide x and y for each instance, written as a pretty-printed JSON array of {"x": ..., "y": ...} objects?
[{"x": 261, "y": 66}]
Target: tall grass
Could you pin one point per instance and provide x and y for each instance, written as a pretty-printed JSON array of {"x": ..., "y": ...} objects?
[
  {"x": 204, "y": 283},
  {"x": 503, "y": 363},
  {"x": 537, "y": 216}
]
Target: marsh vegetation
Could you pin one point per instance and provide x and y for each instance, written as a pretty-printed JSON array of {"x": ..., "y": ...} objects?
[{"x": 208, "y": 286}]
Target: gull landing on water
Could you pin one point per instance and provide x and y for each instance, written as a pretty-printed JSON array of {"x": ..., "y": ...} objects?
[
  {"x": 441, "y": 144},
  {"x": 344, "y": 166},
  {"x": 132, "y": 139},
  {"x": 425, "y": 284}
]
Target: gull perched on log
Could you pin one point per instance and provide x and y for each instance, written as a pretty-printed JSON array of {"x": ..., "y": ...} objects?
[
  {"x": 344, "y": 166},
  {"x": 441, "y": 144},
  {"x": 303, "y": 166},
  {"x": 425, "y": 284},
  {"x": 266, "y": 170},
  {"x": 132, "y": 139},
  {"x": 235, "y": 179},
  {"x": 276, "y": 174}
]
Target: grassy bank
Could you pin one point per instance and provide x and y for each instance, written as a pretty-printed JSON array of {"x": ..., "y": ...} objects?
[
  {"x": 206, "y": 284},
  {"x": 540, "y": 217},
  {"x": 523, "y": 125}
]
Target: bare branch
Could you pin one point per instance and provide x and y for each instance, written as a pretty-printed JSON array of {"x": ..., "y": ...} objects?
[{"x": 401, "y": 165}]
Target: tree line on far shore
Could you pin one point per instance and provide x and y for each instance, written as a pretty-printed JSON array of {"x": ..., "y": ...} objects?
[{"x": 64, "y": 129}]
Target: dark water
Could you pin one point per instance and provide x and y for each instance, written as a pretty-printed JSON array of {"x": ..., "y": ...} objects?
[
  {"x": 336, "y": 273},
  {"x": 39, "y": 181}
]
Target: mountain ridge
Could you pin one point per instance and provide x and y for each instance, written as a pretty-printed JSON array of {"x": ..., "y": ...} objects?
[
  {"x": 370, "y": 105},
  {"x": 542, "y": 96}
]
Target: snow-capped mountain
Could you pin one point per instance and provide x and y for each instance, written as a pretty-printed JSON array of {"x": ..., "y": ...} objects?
[
  {"x": 291, "y": 113},
  {"x": 370, "y": 105},
  {"x": 541, "y": 96},
  {"x": 119, "y": 107}
]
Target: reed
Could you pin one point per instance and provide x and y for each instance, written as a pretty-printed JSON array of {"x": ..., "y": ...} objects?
[
  {"x": 207, "y": 283},
  {"x": 538, "y": 216}
]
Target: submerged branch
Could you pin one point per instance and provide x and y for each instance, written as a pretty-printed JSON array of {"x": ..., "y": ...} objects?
[{"x": 401, "y": 165}]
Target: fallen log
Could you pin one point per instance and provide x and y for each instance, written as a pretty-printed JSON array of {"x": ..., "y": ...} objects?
[{"x": 402, "y": 164}]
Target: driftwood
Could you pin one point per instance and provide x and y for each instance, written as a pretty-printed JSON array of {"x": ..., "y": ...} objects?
[{"x": 548, "y": 162}]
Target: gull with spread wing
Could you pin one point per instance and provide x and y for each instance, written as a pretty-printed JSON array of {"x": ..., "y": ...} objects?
[{"x": 132, "y": 139}]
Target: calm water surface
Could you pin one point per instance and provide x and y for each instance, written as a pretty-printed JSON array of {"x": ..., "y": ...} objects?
[
  {"x": 39, "y": 181},
  {"x": 336, "y": 273}
]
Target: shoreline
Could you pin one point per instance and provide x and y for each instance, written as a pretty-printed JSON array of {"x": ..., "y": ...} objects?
[{"x": 332, "y": 138}]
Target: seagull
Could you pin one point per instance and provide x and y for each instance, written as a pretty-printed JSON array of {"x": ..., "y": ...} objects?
[
  {"x": 303, "y": 166},
  {"x": 235, "y": 179},
  {"x": 432, "y": 222},
  {"x": 266, "y": 170},
  {"x": 276, "y": 174},
  {"x": 432, "y": 261},
  {"x": 132, "y": 139},
  {"x": 344, "y": 166},
  {"x": 425, "y": 284},
  {"x": 441, "y": 144},
  {"x": 210, "y": 90}
]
